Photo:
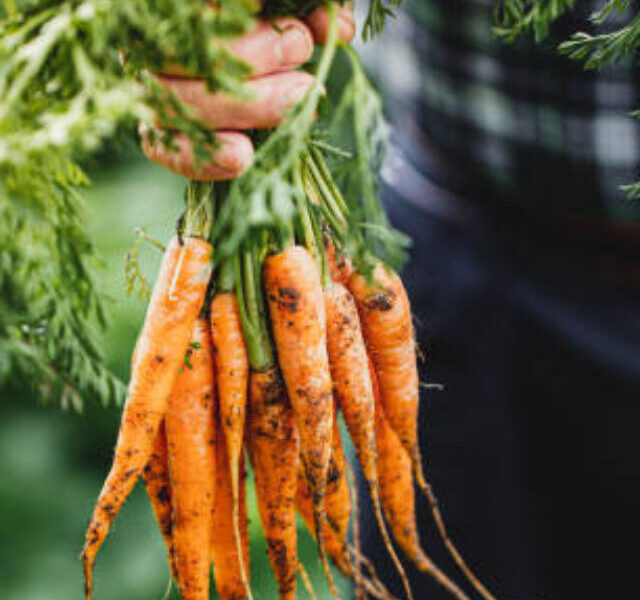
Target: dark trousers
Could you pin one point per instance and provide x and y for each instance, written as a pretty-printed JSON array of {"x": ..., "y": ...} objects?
[{"x": 533, "y": 446}]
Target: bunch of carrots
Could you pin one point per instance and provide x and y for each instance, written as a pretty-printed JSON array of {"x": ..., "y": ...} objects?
[{"x": 256, "y": 355}]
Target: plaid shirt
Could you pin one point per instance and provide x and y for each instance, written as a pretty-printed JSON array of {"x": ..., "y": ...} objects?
[{"x": 516, "y": 122}]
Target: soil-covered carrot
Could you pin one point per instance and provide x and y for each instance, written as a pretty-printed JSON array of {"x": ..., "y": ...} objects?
[
  {"x": 338, "y": 497},
  {"x": 395, "y": 476},
  {"x": 191, "y": 439},
  {"x": 158, "y": 484},
  {"x": 385, "y": 315},
  {"x": 334, "y": 547},
  {"x": 273, "y": 448},
  {"x": 296, "y": 305},
  {"x": 354, "y": 394},
  {"x": 232, "y": 372},
  {"x": 176, "y": 301},
  {"x": 227, "y": 568}
]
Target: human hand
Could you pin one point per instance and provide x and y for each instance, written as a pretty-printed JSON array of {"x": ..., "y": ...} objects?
[{"x": 274, "y": 54}]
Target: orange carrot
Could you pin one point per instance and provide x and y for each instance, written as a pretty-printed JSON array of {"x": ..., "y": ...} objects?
[
  {"x": 385, "y": 315},
  {"x": 158, "y": 484},
  {"x": 177, "y": 299},
  {"x": 338, "y": 498},
  {"x": 273, "y": 448},
  {"x": 232, "y": 368},
  {"x": 296, "y": 305},
  {"x": 353, "y": 391},
  {"x": 334, "y": 547},
  {"x": 227, "y": 568},
  {"x": 191, "y": 437},
  {"x": 395, "y": 477}
]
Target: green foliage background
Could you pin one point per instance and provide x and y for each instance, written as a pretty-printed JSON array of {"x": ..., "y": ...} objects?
[{"x": 52, "y": 461}]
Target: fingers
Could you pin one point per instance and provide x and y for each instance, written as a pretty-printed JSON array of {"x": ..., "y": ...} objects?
[
  {"x": 269, "y": 47},
  {"x": 318, "y": 21},
  {"x": 230, "y": 160},
  {"x": 272, "y": 96}
]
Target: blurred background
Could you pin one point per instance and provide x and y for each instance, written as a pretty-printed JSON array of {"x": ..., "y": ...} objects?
[{"x": 505, "y": 168}]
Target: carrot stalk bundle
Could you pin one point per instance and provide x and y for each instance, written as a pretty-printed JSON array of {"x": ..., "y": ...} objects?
[
  {"x": 227, "y": 564},
  {"x": 158, "y": 484},
  {"x": 176, "y": 301},
  {"x": 191, "y": 437},
  {"x": 232, "y": 369},
  {"x": 273, "y": 448}
]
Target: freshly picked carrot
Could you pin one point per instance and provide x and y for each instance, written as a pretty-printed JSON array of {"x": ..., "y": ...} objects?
[
  {"x": 296, "y": 305},
  {"x": 191, "y": 440},
  {"x": 274, "y": 449},
  {"x": 232, "y": 372},
  {"x": 229, "y": 568},
  {"x": 158, "y": 483},
  {"x": 177, "y": 299}
]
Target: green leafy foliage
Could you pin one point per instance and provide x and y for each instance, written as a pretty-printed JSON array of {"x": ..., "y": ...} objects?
[
  {"x": 359, "y": 125},
  {"x": 597, "y": 51},
  {"x": 48, "y": 299},
  {"x": 513, "y": 17},
  {"x": 73, "y": 75},
  {"x": 611, "y": 43}
]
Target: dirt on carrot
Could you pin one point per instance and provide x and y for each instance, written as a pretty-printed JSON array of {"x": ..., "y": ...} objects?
[
  {"x": 176, "y": 301},
  {"x": 274, "y": 448},
  {"x": 158, "y": 483},
  {"x": 191, "y": 441},
  {"x": 226, "y": 563}
]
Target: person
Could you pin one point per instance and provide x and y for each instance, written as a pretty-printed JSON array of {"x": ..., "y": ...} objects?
[{"x": 524, "y": 277}]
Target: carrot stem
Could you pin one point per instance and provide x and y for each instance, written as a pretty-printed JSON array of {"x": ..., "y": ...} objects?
[
  {"x": 252, "y": 309},
  {"x": 226, "y": 280},
  {"x": 198, "y": 217}
]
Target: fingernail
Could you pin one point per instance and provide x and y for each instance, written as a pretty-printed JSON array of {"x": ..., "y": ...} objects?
[{"x": 293, "y": 47}]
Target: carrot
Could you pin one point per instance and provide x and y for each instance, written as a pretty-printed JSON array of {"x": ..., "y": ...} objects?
[
  {"x": 385, "y": 315},
  {"x": 158, "y": 484},
  {"x": 227, "y": 567},
  {"x": 191, "y": 437},
  {"x": 232, "y": 368},
  {"x": 339, "y": 553},
  {"x": 338, "y": 498},
  {"x": 296, "y": 305},
  {"x": 273, "y": 448},
  {"x": 395, "y": 476},
  {"x": 354, "y": 394},
  {"x": 332, "y": 544},
  {"x": 337, "y": 506},
  {"x": 173, "y": 309}
]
